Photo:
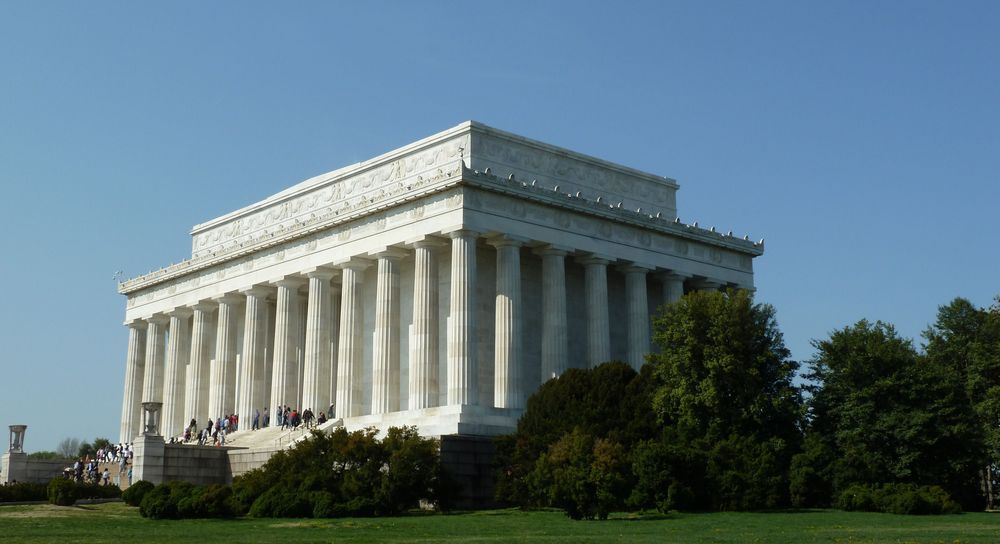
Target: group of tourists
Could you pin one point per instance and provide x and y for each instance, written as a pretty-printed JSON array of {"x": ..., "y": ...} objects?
[
  {"x": 87, "y": 469},
  {"x": 215, "y": 431}
]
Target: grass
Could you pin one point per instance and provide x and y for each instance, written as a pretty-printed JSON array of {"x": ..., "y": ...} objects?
[{"x": 117, "y": 523}]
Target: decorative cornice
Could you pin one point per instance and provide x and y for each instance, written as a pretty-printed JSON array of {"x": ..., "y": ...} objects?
[{"x": 426, "y": 167}]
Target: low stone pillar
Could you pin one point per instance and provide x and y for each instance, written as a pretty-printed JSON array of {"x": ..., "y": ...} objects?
[{"x": 149, "y": 448}]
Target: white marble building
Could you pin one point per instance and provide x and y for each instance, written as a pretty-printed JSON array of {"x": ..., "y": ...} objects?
[{"x": 436, "y": 285}]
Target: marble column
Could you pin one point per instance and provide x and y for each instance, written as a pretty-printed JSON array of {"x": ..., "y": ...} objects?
[
  {"x": 316, "y": 370},
  {"x": 637, "y": 307},
  {"x": 350, "y": 347},
  {"x": 253, "y": 377},
  {"x": 196, "y": 395},
  {"x": 555, "y": 347},
  {"x": 135, "y": 363},
  {"x": 178, "y": 351},
  {"x": 423, "y": 386},
  {"x": 598, "y": 325},
  {"x": 673, "y": 286},
  {"x": 222, "y": 383},
  {"x": 284, "y": 370},
  {"x": 152, "y": 379},
  {"x": 462, "y": 368},
  {"x": 385, "y": 337},
  {"x": 507, "y": 353}
]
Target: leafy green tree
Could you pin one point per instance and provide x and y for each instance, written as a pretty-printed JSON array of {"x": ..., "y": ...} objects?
[
  {"x": 609, "y": 402},
  {"x": 724, "y": 388},
  {"x": 891, "y": 415},
  {"x": 966, "y": 340}
]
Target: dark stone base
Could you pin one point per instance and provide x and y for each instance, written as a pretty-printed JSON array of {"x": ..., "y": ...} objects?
[{"x": 468, "y": 460}]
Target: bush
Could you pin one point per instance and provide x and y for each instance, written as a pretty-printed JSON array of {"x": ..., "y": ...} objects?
[
  {"x": 345, "y": 474},
  {"x": 162, "y": 502},
  {"x": 135, "y": 492},
  {"x": 23, "y": 492},
  {"x": 898, "y": 499},
  {"x": 62, "y": 492},
  {"x": 95, "y": 491}
]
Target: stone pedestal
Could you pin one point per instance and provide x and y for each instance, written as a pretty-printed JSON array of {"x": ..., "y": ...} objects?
[
  {"x": 148, "y": 459},
  {"x": 13, "y": 467}
]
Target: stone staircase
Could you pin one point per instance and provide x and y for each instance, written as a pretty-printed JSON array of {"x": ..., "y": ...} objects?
[{"x": 276, "y": 438}]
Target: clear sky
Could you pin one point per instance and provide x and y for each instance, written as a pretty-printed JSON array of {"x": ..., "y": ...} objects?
[{"x": 860, "y": 139}]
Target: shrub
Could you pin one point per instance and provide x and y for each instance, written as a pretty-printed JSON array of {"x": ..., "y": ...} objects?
[
  {"x": 62, "y": 492},
  {"x": 898, "y": 499},
  {"x": 857, "y": 498},
  {"x": 135, "y": 492},
  {"x": 163, "y": 501},
  {"x": 23, "y": 492},
  {"x": 95, "y": 491},
  {"x": 279, "y": 502}
]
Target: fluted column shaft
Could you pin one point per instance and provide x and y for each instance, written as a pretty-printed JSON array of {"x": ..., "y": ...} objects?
[
  {"x": 673, "y": 287},
  {"x": 284, "y": 372},
  {"x": 196, "y": 394},
  {"x": 598, "y": 326},
  {"x": 423, "y": 387},
  {"x": 350, "y": 348},
  {"x": 253, "y": 378},
  {"x": 152, "y": 379},
  {"x": 178, "y": 351},
  {"x": 135, "y": 363},
  {"x": 637, "y": 307},
  {"x": 385, "y": 340},
  {"x": 316, "y": 370},
  {"x": 555, "y": 347},
  {"x": 507, "y": 351},
  {"x": 222, "y": 384},
  {"x": 462, "y": 367}
]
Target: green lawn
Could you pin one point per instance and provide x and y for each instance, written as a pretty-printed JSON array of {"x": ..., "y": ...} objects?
[{"x": 117, "y": 523}]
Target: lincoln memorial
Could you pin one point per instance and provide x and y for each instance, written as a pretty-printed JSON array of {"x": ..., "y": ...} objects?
[{"x": 436, "y": 285}]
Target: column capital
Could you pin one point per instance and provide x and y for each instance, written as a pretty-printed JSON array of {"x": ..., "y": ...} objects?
[
  {"x": 708, "y": 284},
  {"x": 674, "y": 275},
  {"x": 594, "y": 258},
  {"x": 357, "y": 264},
  {"x": 228, "y": 298},
  {"x": 158, "y": 319},
  {"x": 389, "y": 252},
  {"x": 320, "y": 272},
  {"x": 462, "y": 233},
  {"x": 636, "y": 268},
  {"x": 290, "y": 282},
  {"x": 181, "y": 312},
  {"x": 204, "y": 306},
  {"x": 262, "y": 291},
  {"x": 427, "y": 241},
  {"x": 550, "y": 249},
  {"x": 136, "y": 324},
  {"x": 505, "y": 240}
]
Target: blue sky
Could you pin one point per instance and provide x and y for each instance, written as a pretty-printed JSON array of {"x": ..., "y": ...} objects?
[{"x": 860, "y": 139}]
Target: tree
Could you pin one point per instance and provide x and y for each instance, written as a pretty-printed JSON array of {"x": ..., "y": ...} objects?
[
  {"x": 890, "y": 415},
  {"x": 966, "y": 340},
  {"x": 68, "y": 447},
  {"x": 724, "y": 387},
  {"x": 610, "y": 402}
]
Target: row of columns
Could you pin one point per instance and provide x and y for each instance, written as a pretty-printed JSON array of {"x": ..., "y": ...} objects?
[{"x": 336, "y": 377}]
